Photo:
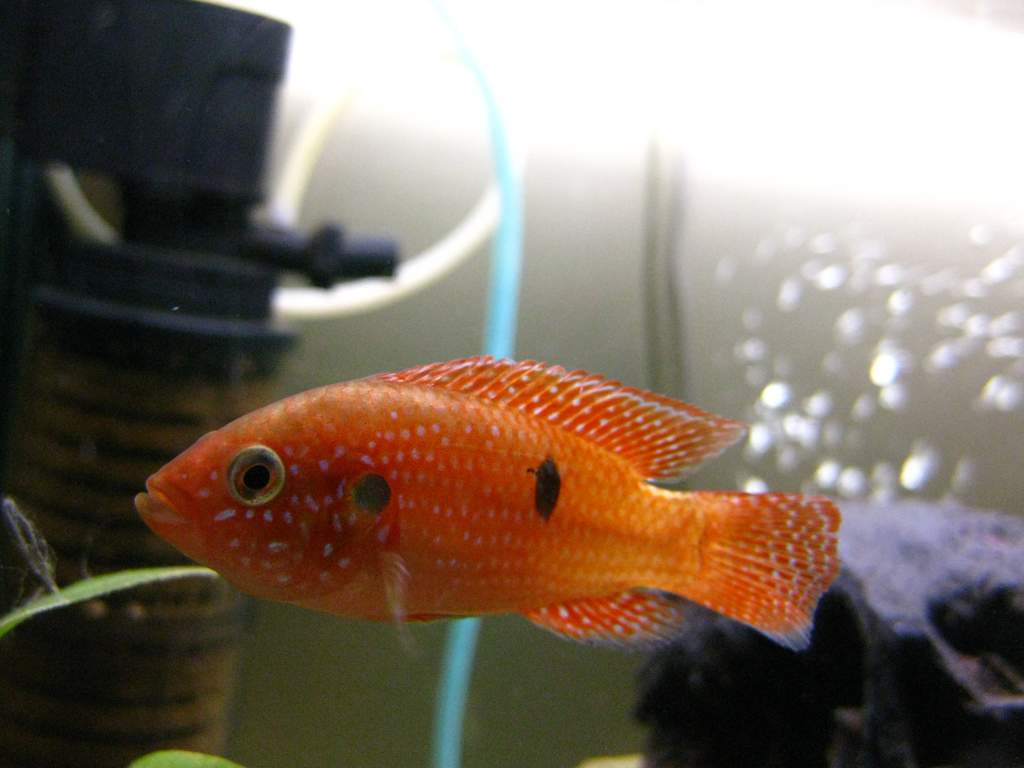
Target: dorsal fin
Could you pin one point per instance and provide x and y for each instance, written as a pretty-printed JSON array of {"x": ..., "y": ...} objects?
[{"x": 659, "y": 436}]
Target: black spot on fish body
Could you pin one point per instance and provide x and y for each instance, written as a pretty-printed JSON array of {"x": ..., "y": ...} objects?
[
  {"x": 549, "y": 484},
  {"x": 371, "y": 493}
]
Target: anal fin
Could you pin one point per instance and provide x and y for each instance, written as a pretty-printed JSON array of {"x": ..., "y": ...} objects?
[{"x": 638, "y": 619}]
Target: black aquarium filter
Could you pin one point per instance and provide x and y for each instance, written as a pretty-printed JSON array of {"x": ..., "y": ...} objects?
[
  {"x": 136, "y": 348},
  {"x": 112, "y": 391},
  {"x": 172, "y": 93}
]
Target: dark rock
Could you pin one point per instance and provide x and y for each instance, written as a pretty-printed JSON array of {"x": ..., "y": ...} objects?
[{"x": 917, "y": 659}]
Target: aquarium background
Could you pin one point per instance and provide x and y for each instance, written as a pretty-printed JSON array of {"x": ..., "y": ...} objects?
[
  {"x": 804, "y": 215},
  {"x": 808, "y": 220}
]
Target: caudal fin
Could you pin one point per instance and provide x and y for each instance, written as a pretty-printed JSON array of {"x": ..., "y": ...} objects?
[{"x": 766, "y": 560}]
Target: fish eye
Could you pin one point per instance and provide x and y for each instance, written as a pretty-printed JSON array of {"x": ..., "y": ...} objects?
[{"x": 256, "y": 475}]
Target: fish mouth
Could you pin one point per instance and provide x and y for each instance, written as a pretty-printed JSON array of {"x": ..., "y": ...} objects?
[{"x": 156, "y": 506}]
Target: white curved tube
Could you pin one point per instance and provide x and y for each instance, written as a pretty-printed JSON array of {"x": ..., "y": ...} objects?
[
  {"x": 286, "y": 198},
  {"x": 366, "y": 295},
  {"x": 85, "y": 221},
  {"x": 412, "y": 276}
]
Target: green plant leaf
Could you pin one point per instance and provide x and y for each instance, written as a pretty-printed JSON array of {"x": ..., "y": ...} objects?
[
  {"x": 176, "y": 758},
  {"x": 98, "y": 586}
]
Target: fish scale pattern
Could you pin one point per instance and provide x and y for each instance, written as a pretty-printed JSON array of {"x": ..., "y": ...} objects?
[{"x": 660, "y": 437}]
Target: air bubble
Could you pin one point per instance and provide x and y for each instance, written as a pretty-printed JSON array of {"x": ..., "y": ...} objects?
[
  {"x": 953, "y": 316},
  {"x": 810, "y": 269},
  {"x": 976, "y": 325},
  {"x": 776, "y": 394},
  {"x": 787, "y": 459},
  {"x": 725, "y": 270},
  {"x": 850, "y": 326},
  {"x": 974, "y": 289},
  {"x": 1006, "y": 324},
  {"x": 980, "y": 235},
  {"x": 832, "y": 363},
  {"x": 831, "y": 277},
  {"x": 920, "y": 466},
  {"x": 760, "y": 439},
  {"x": 890, "y": 274},
  {"x": 1001, "y": 393},
  {"x": 964, "y": 474},
  {"x": 943, "y": 281},
  {"x": 884, "y": 481},
  {"x": 884, "y": 370},
  {"x": 1006, "y": 346},
  {"x": 860, "y": 279},
  {"x": 790, "y": 293},
  {"x": 852, "y": 482},
  {"x": 1002, "y": 269},
  {"x": 833, "y": 434},
  {"x": 818, "y": 405},
  {"x": 871, "y": 250},
  {"x": 823, "y": 244},
  {"x": 863, "y": 408},
  {"x": 827, "y": 473},
  {"x": 893, "y": 397},
  {"x": 801, "y": 429},
  {"x": 948, "y": 354},
  {"x": 900, "y": 302},
  {"x": 755, "y": 485},
  {"x": 751, "y": 350},
  {"x": 887, "y": 366}
]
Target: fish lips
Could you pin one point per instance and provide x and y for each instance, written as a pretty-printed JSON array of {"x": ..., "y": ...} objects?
[{"x": 156, "y": 506}]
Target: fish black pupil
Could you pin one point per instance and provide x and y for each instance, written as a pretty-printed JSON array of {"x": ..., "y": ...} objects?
[{"x": 256, "y": 477}]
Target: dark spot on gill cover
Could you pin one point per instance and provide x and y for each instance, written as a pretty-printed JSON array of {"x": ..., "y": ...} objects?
[
  {"x": 549, "y": 484},
  {"x": 371, "y": 493}
]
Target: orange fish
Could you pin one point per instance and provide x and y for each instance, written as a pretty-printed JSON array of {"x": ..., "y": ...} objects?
[{"x": 485, "y": 486}]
